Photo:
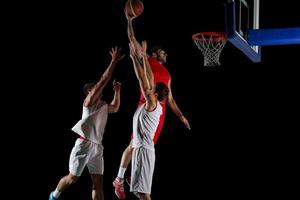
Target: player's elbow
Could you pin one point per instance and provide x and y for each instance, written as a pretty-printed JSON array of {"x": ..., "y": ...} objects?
[
  {"x": 114, "y": 108},
  {"x": 171, "y": 101}
]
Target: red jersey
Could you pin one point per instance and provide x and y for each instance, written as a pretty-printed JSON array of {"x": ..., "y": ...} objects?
[{"x": 160, "y": 74}]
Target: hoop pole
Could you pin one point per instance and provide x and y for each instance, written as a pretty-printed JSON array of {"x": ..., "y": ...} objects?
[{"x": 256, "y": 15}]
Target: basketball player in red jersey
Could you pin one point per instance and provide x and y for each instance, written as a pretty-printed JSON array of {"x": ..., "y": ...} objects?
[{"x": 156, "y": 61}]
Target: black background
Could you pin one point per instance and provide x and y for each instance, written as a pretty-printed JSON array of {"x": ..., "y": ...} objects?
[{"x": 242, "y": 142}]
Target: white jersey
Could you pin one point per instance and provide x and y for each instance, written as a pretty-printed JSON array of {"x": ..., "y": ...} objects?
[
  {"x": 144, "y": 126},
  {"x": 93, "y": 122}
]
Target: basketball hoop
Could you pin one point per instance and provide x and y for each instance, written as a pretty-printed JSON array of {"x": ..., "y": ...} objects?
[{"x": 211, "y": 45}]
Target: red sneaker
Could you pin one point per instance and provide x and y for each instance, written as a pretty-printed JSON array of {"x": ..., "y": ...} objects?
[{"x": 119, "y": 188}]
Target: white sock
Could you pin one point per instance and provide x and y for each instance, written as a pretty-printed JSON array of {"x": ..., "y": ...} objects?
[
  {"x": 56, "y": 194},
  {"x": 121, "y": 172}
]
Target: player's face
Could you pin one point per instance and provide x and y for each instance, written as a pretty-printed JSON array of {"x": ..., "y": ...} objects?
[{"x": 162, "y": 56}]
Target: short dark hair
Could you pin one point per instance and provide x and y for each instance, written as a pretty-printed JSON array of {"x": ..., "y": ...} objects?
[
  {"x": 162, "y": 91},
  {"x": 87, "y": 87},
  {"x": 155, "y": 49}
]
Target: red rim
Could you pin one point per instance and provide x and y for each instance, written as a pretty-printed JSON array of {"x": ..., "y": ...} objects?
[{"x": 214, "y": 36}]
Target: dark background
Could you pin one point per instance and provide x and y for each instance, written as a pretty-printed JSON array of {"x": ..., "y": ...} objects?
[{"x": 242, "y": 114}]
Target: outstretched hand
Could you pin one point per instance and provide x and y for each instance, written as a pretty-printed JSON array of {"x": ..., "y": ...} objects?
[
  {"x": 128, "y": 17},
  {"x": 116, "y": 86},
  {"x": 116, "y": 54}
]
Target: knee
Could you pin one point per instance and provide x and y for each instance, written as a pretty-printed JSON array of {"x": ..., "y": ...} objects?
[
  {"x": 141, "y": 196},
  {"x": 72, "y": 179}
]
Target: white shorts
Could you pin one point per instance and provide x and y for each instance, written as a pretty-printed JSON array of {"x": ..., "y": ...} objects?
[
  {"x": 142, "y": 168},
  {"x": 86, "y": 153}
]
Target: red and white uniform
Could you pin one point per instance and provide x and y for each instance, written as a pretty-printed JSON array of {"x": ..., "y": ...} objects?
[
  {"x": 143, "y": 156},
  {"x": 88, "y": 149},
  {"x": 160, "y": 74}
]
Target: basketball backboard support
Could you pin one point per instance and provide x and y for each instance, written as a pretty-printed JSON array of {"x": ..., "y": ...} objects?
[
  {"x": 280, "y": 36},
  {"x": 242, "y": 16},
  {"x": 244, "y": 32}
]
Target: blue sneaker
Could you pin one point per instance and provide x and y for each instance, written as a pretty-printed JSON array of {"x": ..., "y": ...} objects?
[{"x": 51, "y": 197}]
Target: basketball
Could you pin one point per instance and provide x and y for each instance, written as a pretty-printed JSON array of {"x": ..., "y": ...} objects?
[{"x": 134, "y": 8}]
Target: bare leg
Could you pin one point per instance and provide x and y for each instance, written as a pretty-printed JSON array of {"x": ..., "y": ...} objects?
[
  {"x": 66, "y": 182},
  {"x": 126, "y": 156},
  {"x": 97, "y": 191},
  {"x": 142, "y": 196}
]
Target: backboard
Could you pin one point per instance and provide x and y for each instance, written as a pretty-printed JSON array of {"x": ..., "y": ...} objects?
[
  {"x": 244, "y": 31},
  {"x": 242, "y": 16}
]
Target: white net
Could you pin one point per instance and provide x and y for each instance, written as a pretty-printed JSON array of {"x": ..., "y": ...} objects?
[{"x": 211, "y": 45}]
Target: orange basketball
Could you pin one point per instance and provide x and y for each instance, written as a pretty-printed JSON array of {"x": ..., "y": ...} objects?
[{"x": 134, "y": 7}]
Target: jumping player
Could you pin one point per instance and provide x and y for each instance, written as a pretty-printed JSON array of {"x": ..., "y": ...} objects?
[{"x": 156, "y": 60}]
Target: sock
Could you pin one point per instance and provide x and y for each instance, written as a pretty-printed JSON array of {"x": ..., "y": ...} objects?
[
  {"x": 121, "y": 172},
  {"x": 56, "y": 194}
]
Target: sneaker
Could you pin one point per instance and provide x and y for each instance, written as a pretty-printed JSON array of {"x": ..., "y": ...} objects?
[
  {"x": 119, "y": 188},
  {"x": 51, "y": 197},
  {"x": 128, "y": 180}
]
